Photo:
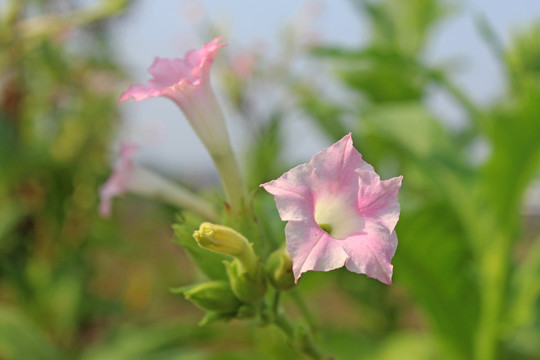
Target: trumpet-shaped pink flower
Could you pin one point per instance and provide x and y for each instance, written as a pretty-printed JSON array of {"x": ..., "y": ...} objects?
[
  {"x": 187, "y": 82},
  {"x": 339, "y": 213}
]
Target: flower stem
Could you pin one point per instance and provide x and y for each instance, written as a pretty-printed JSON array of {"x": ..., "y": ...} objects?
[
  {"x": 303, "y": 341},
  {"x": 301, "y": 338},
  {"x": 303, "y": 308},
  {"x": 275, "y": 302},
  {"x": 494, "y": 265}
]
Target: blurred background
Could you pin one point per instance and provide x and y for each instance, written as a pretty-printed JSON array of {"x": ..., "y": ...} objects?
[{"x": 445, "y": 93}]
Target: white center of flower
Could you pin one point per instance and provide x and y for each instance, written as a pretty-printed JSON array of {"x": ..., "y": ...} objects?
[{"x": 338, "y": 216}]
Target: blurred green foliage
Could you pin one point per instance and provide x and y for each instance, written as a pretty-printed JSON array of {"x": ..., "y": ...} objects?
[{"x": 73, "y": 286}]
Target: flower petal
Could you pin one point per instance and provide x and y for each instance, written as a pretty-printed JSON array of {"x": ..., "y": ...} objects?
[
  {"x": 312, "y": 248},
  {"x": 292, "y": 193},
  {"x": 173, "y": 75},
  {"x": 371, "y": 252},
  {"x": 379, "y": 199},
  {"x": 336, "y": 166}
]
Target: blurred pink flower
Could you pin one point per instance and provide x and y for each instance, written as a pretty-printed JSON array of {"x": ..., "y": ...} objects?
[
  {"x": 339, "y": 212},
  {"x": 187, "y": 82},
  {"x": 118, "y": 182},
  {"x": 129, "y": 177}
]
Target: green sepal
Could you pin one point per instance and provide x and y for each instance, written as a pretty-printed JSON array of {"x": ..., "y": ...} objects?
[
  {"x": 214, "y": 316},
  {"x": 247, "y": 287},
  {"x": 278, "y": 269},
  {"x": 246, "y": 311},
  {"x": 214, "y": 296}
]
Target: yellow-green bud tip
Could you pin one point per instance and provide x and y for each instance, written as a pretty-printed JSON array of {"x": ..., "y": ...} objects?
[{"x": 221, "y": 239}]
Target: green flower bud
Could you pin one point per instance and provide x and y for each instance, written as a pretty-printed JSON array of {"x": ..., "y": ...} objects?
[
  {"x": 248, "y": 287},
  {"x": 215, "y": 296},
  {"x": 224, "y": 240},
  {"x": 278, "y": 270}
]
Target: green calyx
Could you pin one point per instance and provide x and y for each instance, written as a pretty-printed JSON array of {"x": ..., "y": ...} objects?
[
  {"x": 279, "y": 271},
  {"x": 249, "y": 287},
  {"x": 214, "y": 296}
]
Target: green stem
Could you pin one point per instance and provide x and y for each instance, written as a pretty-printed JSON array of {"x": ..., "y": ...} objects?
[
  {"x": 303, "y": 308},
  {"x": 303, "y": 340},
  {"x": 275, "y": 302},
  {"x": 494, "y": 265}
]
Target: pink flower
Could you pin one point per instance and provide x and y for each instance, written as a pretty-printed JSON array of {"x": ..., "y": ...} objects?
[
  {"x": 339, "y": 213},
  {"x": 129, "y": 177},
  {"x": 118, "y": 182},
  {"x": 187, "y": 82}
]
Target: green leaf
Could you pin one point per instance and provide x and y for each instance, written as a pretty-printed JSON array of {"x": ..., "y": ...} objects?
[
  {"x": 513, "y": 130},
  {"x": 525, "y": 291},
  {"x": 434, "y": 261}
]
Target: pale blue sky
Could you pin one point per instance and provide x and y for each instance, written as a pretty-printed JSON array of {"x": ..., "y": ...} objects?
[{"x": 164, "y": 28}]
